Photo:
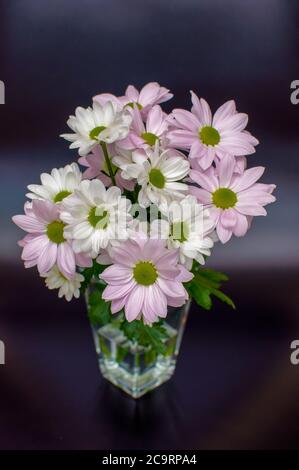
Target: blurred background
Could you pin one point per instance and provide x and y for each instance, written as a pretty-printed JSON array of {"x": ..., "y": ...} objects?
[{"x": 234, "y": 386}]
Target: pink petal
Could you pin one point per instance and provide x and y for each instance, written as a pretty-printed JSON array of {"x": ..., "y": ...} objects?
[
  {"x": 201, "y": 109},
  {"x": 126, "y": 254},
  {"x": 47, "y": 258},
  {"x": 177, "y": 301},
  {"x": 181, "y": 138},
  {"x": 118, "y": 304},
  {"x": 154, "y": 120},
  {"x": 132, "y": 93},
  {"x": 66, "y": 260},
  {"x": 134, "y": 302},
  {"x": 208, "y": 157},
  {"x": 115, "y": 292},
  {"x": 236, "y": 144},
  {"x": 235, "y": 123},
  {"x": 223, "y": 233},
  {"x": 205, "y": 180},
  {"x": 257, "y": 196},
  {"x": 227, "y": 109},
  {"x": 149, "y": 94},
  {"x": 197, "y": 149},
  {"x": 248, "y": 178},
  {"x": 116, "y": 274},
  {"x": 184, "y": 275},
  {"x": 203, "y": 196},
  {"x": 225, "y": 169},
  {"x": 166, "y": 260},
  {"x": 250, "y": 208},
  {"x": 156, "y": 302},
  {"x": 241, "y": 226},
  {"x": 228, "y": 218},
  {"x": 137, "y": 123},
  {"x": 186, "y": 120},
  {"x": 34, "y": 247},
  {"x": 83, "y": 260},
  {"x": 170, "y": 288},
  {"x": 29, "y": 223},
  {"x": 45, "y": 211}
]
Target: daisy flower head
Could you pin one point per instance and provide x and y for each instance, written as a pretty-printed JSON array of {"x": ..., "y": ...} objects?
[
  {"x": 45, "y": 244},
  {"x": 207, "y": 136},
  {"x": 97, "y": 166},
  {"x": 94, "y": 216},
  {"x": 101, "y": 123},
  {"x": 144, "y": 135},
  {"x": 68, "y": 288},
  {"x": 150, "y": 95},
  {"x": 159, "y": 173},
  {"x": 232, "y": 198},
  {"x": 185, "y": 226},
  {"x": 144, "y": 278},
  {"x": 57, "y": 185}
]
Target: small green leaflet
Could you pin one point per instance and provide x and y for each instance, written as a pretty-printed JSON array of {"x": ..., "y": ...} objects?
[
  {"x": 98, "y": 309},
  {"x": 145, "y": 335},
  {"x": 206, "y": 283}
]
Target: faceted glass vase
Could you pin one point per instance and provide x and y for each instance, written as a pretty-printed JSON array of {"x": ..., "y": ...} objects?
[{"x": 134, "y": 368}]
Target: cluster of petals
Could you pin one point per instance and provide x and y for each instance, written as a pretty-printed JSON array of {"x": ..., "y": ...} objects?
[
  {"x": 207, "y": 137},
  {"x": 45, "y": 244},
  {"x": 145, "y": 298},
  {"x": 132, "y": 151},
  {"x": 232, "y": 198}
]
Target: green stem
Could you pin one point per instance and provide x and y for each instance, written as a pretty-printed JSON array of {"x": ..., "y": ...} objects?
[{"x": 108, "y": 162}]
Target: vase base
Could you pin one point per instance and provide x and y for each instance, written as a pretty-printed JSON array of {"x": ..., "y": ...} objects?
[
  {"x": 137, "y": 385},
  {"x": 134, "y": 368}
]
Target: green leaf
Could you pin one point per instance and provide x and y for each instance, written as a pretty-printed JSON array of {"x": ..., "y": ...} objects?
[
  {"x": 91, "y": 272},
  {"x": 206, "y": 283},
  {"x": 224, "y": 298},
  {"x": 214, "y": 275},
  {"x": 200, "y": 294},
  {"x": 98, "y": 309},
  {"x": 146, "y": 335}
]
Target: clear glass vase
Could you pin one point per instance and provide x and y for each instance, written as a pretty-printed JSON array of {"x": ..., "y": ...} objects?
[{"x": 134, "y": 368}]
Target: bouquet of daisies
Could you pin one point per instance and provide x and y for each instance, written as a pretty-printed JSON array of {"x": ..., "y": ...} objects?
[{"x": 157, "y": 191}]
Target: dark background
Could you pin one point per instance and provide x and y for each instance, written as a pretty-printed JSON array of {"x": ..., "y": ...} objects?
[{"x": 234, "y": 387}]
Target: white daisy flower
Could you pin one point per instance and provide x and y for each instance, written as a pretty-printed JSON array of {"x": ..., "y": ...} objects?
[
  {"x": 94, "y": 216},
  {"x": 68, "y": 288},
  {"x": 57, "y": 185},
  {"x": 185, "y": 225},
  {"x": 101, "y": 123},
  {"x": 158, "y": 173}
]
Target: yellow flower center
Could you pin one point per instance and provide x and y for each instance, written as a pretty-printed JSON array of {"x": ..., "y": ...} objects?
[
  {"x": 98, "y": 218},
  {"x": 224, "y": 198},
  {"x": 55, "y": 232},
  {"x": 209, "y": 135},
  {"x": 145, "y": 273},
  {"x": 156, "y": 178},
  {"x": 94, "y": 133},
  {"x": 61, "y": 195}
]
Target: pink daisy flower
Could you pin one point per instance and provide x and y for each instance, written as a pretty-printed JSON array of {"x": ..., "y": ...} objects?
[
  {"x": 144, "y": 135},
  {"x": 232, "y": 198},
  {"x": 97, "y": 168},
  {"x": 144, "y": 279},
  {"x": 152, "y": 93},
  {"x": 45, "y": 245},
  {"x": 209, "y": 136}
]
